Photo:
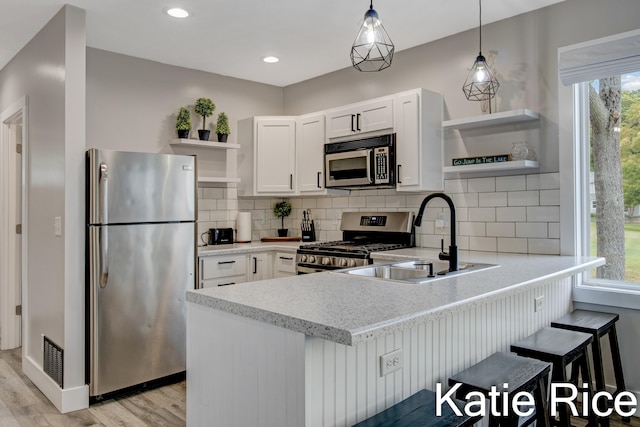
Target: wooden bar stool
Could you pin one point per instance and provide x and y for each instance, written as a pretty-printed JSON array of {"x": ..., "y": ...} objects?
[
  {"x": 561, "y": 348},
  {"x": 518, "y": 374},
  {"x": 419, "y": 410},
  {"x": 598, "y": 324}
]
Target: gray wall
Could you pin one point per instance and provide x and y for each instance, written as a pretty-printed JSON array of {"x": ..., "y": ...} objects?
[{"x": 49, "y": 70}]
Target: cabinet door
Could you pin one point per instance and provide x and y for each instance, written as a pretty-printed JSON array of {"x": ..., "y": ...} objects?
[
  {"x": 258, "y": 267},
  {"x": 275, "y": 156},
  {"x": 310, "y": 141},
  {"x": 376, "y": 115},
  {"x": 341, "y": 122},
  {"x": 407, "y": 127},
  {"x": 284, "y": 264}
]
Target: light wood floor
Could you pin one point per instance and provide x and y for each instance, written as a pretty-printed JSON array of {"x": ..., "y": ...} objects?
[{"x": 22, "y": 404}]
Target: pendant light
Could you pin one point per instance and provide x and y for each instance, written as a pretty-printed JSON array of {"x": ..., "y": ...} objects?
[
  {"x": 372, "y": 49},
  {"x": 481, "y": 84}
]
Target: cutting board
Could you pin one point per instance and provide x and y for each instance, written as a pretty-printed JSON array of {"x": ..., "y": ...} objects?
[{"x": 280, "y": 239}]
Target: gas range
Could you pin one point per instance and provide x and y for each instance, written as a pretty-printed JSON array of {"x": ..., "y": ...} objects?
[{"x": 363, "y": 233}]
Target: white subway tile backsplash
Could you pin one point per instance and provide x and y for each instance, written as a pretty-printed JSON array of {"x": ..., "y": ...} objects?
[
  {"x": 472, "y": 228},
  {"x": 487, "y": 244},
  {"x": 523, "y": 198},
  {"x": 543, "y": 214},
  {"x": 501, "y": 229},
  {"x": 545, "y": 181},
  {"x": 455, "y": 186},
  {"x": 544, "y": 246},
  {"x": 531, "y": 229},
  {"x": 492, "y": 199},
  {"x": 550, "y": 197},
  {"x": 514, "y": 214},
  {"x": 481, "y": 185},
  {"x": 506, "y": 244},
  {"x": 511, "y": 183},
  {"x": 482, "y": 214},
  {"x": 517, "y": 214}
]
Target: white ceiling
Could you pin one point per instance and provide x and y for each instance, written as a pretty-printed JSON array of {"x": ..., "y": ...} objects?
[{"x": 230, "y": 37}]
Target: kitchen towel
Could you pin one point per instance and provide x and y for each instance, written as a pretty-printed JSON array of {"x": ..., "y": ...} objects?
[{"x": 243, "y": 227}]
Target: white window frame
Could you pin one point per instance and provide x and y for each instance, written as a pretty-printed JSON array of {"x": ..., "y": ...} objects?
[{"x": 573, "y": 101}]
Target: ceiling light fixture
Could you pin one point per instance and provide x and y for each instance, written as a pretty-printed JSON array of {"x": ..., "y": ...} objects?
[
  {"x": 372, "y": 49},
  {"x": 176, "y": 12},
  {"x": 481, "y": 84},
  {"x": 270, "y": 59}
]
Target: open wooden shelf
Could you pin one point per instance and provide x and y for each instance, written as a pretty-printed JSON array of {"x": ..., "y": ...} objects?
[
  {"x": 493, "y": 167},
  {"x": 196, "y": 143},
  {"x": 506, "y": 117}
]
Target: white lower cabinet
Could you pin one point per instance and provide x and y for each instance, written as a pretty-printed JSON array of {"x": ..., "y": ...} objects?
[
  {"x": 259, "y": 266},
  {"x": 223, "y": 270},
  {"x": 284, "y": 264}
]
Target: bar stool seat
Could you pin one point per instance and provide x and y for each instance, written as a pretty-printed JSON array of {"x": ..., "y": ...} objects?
[
  {"x": 561, "y": 348},
  {"x": 518, "y": 374},
  {"x": 419, "y": 410}
]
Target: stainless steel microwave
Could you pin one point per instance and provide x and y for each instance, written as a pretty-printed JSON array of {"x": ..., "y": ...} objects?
[{"x": 368, "y": 162}]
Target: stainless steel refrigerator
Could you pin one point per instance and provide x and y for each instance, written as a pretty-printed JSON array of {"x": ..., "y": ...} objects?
[{"x": 141, "y": 260}]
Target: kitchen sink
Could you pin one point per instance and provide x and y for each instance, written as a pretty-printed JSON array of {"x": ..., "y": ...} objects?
[{"x": 415, "y": 271}]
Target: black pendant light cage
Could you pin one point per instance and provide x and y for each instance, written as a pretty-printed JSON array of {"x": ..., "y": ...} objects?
[
  {"x": 481, "y": 84},
  {"x": 372, "y": 49}
]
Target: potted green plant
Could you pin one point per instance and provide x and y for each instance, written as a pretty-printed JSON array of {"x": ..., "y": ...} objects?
[
  {"x": 204, "y": 107},
  {"x": 281, "y": 210},
  {"x": 222, "y": 127},
  {"x": 183, "y": 123}
]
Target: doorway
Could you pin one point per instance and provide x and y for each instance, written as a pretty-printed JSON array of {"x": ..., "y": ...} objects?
[{"x": 12, "y": 224}]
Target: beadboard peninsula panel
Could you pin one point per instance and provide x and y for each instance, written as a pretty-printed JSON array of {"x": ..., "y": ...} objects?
[
  {"x": 343, "y": 384},
  {"x": 257, "y": 380}
]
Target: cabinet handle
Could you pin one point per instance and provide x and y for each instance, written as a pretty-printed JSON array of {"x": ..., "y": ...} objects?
[
  {"x": 358, "y": 122},
  {"x": 290, "y": 181},
  {"x": 286, "y": 258},
  {"x": 255, "y": 265},
  {"x": 353, "y": 128},
  {"x": 399, "y": 180},
  {"x": 226, "y": 262},
  {"x": 226, "y": 284},
  {"x": 319, "y": 173}
]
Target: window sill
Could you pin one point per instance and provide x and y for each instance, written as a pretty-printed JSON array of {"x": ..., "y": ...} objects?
[{"x": 610, "y": 293}]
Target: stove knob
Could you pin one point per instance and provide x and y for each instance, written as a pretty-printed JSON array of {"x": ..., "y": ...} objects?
[
  {"x": 325, "y": 261},
  {"x": 352, "y": 263},
  {"x": 312, "y": 259},
  {"x": 303, "y": 258},
  {"x": 342, "y": 262}
]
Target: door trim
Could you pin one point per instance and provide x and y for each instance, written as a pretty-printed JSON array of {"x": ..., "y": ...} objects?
[{"x": 10, "y": 323}]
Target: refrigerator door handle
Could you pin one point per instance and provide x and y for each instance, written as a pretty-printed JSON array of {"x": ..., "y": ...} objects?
[
  {"x": 104, "y": 263},
  {"x": 104, "y": 234}
]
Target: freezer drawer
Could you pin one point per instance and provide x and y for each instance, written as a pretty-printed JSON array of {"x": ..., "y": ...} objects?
[
  {"x": 137, "y": 286},
  {"x": 223, "y": 266}
]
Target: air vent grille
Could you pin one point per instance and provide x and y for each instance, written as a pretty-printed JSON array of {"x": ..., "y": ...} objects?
[{"x": 52, "y": 363}]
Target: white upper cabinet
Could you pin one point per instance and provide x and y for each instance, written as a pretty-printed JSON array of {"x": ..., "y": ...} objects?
[
  {"x": 359, "y": 118},
  {"x": 310, "y": 139},
  {"x": 418, "y": 128},
  {"x": 266, "y": 162}
]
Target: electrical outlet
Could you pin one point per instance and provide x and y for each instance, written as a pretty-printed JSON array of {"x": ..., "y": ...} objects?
[
  {"x": 265, "y": 219},
  {"x": 390, "y": 362},
  {"x": 538, "y": 303},
  {"x": 57, "y": 226},
  {"x": 336, "y": 217},
  {"x": 441, "y": 222}
]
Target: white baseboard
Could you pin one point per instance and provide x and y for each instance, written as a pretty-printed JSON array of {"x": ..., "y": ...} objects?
[{"x": 65, "y": 400}]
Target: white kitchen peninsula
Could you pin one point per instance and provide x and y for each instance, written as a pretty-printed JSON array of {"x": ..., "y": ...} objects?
[{"x": 305, "y": 350}]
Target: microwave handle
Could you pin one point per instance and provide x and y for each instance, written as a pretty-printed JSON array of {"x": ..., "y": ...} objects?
[
  {"x": 371, "y": 161},
  {"x": 399, "y": 180}
]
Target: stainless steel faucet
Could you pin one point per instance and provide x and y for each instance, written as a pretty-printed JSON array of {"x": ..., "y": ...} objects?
[{"x": 452, "y": 255}]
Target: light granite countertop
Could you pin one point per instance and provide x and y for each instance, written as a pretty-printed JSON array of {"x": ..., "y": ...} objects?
[
  {"x": 350, "y": 309},
  {"x": 249, "y": 247}
]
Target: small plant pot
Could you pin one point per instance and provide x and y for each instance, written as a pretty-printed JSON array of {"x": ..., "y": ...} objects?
[
  {"x": 222, "y": 137},
  {"x": 204, "y": 134},
  {"x": 183, "y": 134},
  {"x": 282, "y": 232}
]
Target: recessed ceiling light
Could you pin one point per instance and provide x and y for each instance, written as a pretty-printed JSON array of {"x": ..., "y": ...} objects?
[
  {"x": 176, "y": 12},
  {"x": 270, "y": 59}
]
